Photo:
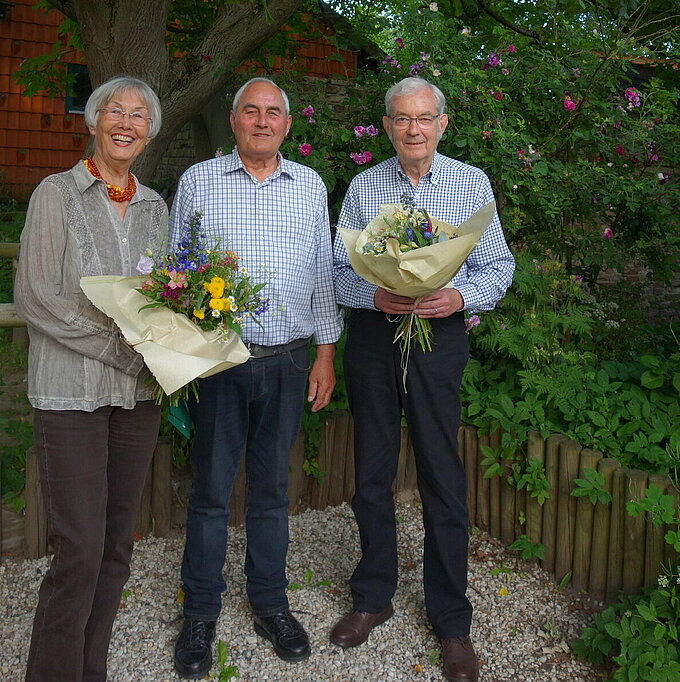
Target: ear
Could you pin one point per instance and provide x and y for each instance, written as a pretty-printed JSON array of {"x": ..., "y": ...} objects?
[
  {"x": 443, "y": 122},
  {"x": 290, "y": 122},
  {"x": 387, "y": 122},
  {"x": 232, "y": 118},
  {"x": 92, "y": 130}
]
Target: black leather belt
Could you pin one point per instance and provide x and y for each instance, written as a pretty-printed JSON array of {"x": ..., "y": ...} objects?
[{"x": 257, "y": 351}]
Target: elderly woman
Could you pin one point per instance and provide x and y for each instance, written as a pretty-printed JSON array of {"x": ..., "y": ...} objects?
[{"x": 95, "y": 422}]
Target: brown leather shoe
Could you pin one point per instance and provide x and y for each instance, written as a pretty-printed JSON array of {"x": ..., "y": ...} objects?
[
  {"x": 353, "y": 628},
  {"x": 460, "y": 660}
]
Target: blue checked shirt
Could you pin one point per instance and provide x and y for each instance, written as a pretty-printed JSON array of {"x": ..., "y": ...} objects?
[
  {"x": 280, "y": 230},
  {"x": 450, "y": 191}
]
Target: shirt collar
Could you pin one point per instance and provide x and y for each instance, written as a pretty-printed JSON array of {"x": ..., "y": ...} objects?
[
  {"x": 233, "y": 162},
  {"x": 432, "y": 176}
]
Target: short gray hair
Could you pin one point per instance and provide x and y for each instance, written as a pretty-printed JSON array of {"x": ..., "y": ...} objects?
[
  {"x": 105, "y": 92},
  {"x": 259, "y": 79},
  {"x": 410, "y": 85}
]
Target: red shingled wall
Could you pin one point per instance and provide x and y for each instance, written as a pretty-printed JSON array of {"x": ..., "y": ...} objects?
[{"x": 37, "y": 136}]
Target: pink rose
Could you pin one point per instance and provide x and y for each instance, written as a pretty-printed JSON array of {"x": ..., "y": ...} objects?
[
  {"x": 607, "y": 233},
  {"x": 359, "y": 131},
  {"x": 568, "y": 104},
  {"x": 308, "y": 111},
  {"x": 305, "y": 149}
]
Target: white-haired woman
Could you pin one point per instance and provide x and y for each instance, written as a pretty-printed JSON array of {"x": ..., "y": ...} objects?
[{"x": 95, "y": 422}]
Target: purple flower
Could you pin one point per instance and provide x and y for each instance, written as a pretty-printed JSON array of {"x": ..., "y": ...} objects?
[
  {"x": 633, "y": 97},
  {"x": 145, "y": 265},
  {"x": 371, "y": 130},
  {"x": 305, "y": 149},
  {"x": 607, "y": 233},
  {"x": 415, "y": 69},
  {"x": 308, "y": 111},
  {"x": 361, "y": 158},
  {"x": 359, "y": 131},
  {"x": 471, "y": 322},
  {"x": 399, "y": 42},
  {"x": 219, "y": 152},
  {"x": 493, "y": 59},
  {"x": 568, "y": 104},
  {"x": 620, "y": 150},
  {"x": 511, "y": 49}
]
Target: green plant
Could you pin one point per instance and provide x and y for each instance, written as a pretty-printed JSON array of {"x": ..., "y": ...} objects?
[
  {"x": 223, "y": 672},
  {"x": 308, "y": 581},
  {"x": 662, "y": 510},
  {"x": 528, "y": 549},
  {"x": 591, "y": 487},
  {"x": 638, "y": 637},
  {"x": 17, "y": 438}
]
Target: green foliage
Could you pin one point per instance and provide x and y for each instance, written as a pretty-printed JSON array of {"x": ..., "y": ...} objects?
[
  {"x": 308, "y": 581},
  {"x": 591, "y": 487},
  {"x": 528, "y": 549},
  {"x": 533, "y": 478},
  {"x": 535, "y": 366},
  {"x": 662, "y": 510},
  {"x": 17, "y": 438},
  {"x": 638, "y": 636},
  {"x": 223, "y": 671}
]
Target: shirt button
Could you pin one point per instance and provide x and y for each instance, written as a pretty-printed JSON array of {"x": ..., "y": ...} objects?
[{"x": 124, "y": 240}]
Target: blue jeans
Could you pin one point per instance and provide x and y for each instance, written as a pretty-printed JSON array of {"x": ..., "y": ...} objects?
[{"x": 255, "y": 407}]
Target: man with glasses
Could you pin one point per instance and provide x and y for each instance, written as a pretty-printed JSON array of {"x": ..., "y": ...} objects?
[{"x": 450, "y": 191}]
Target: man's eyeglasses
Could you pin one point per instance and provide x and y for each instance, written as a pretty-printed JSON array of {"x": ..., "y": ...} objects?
[
  {"x": 423, "y": 122},
  {"x": 137, "y": 118}
]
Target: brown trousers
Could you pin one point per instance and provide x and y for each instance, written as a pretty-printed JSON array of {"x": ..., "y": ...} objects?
[{"x": 92, "y": 471}]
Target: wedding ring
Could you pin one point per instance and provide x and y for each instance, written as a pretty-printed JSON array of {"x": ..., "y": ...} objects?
[{"x": 436, "y": 310}]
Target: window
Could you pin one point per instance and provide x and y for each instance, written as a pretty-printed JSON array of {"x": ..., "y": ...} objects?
[{"x": 81, "y": 89}]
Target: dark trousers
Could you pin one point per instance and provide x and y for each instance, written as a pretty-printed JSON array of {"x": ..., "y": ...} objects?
[
  {"x": 431, "y": 402},
  {"x": 255, "y": 407},
  {"x": 92, "y": 471}
]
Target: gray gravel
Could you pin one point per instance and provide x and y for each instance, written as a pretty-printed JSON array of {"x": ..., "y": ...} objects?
[{"x": 521, "y": 635}]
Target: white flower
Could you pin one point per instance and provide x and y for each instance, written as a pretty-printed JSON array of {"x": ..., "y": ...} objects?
[
  {"x": 465, "y": 31},
  {"x": 216, "y": 313},
  {"x": 434, "y": 7},
  {"x": 514, "y": 187},
  {"x": 436, "y": 72}
]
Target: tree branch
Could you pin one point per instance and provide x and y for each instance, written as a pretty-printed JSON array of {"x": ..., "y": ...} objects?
[{"x": 534, "y": 35}]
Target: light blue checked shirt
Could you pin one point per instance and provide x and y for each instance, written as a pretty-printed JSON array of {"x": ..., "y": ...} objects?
[
  {"x": 280, "y": 230},
  {"x": 450, "y": 191}
]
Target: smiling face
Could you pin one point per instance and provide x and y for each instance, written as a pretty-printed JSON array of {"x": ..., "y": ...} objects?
[
  {"x": 119, "y": 143},
  {"x": 415, "y": 147},
  {"x": 260, "y": 122}
]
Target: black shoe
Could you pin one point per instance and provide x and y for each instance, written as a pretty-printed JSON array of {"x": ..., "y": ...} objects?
[
  {"x": 193, "y": 657},
  {"x": 286, "y": 634}
]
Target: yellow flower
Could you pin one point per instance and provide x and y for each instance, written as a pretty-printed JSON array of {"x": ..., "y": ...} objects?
[
  {"x": 503, "y": 592},
  {"x": 215, "y": 287},
  {"x": 199, "y": 313},
  {"x": 219, "y": 303}
]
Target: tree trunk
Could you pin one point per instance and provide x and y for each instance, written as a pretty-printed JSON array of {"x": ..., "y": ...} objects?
[{"x": 129, "y": 37}]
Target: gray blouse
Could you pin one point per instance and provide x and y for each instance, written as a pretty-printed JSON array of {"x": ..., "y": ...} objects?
[{"x": 77, "y": 359}]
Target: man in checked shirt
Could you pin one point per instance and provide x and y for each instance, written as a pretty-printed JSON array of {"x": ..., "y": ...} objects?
[
  {"x": 273, "y": 214},
  {"x": 450, "y": 191}
]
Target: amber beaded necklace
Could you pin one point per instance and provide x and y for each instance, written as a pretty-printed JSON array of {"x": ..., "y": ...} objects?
[{"x": 115, "y": 193}]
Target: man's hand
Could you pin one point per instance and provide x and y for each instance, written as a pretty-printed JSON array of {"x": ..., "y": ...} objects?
[
  {"x": 322, "y": 377},
  {"x": 442, "y": 303},
  {"x": 393, "y": 304}
]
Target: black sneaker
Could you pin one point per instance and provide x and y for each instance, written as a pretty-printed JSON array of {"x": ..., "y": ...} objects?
[
  {"x": 286, "y": 634},
  {"x": 193, "y": 657}
]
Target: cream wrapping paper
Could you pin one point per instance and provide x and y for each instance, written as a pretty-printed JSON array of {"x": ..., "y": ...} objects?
[
  {"x": 175, "y": 349},
  {"x": 421, "y": 271}
]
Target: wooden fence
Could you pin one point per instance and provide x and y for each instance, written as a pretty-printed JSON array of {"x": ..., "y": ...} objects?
[{"x": 597, "y": 548}]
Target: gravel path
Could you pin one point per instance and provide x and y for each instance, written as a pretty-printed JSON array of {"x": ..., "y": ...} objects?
[{"x": 521, "y": 628}]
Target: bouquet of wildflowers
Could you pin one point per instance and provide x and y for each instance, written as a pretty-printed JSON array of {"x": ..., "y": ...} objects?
[
  {"x": 208, "y": 286},
  {"x": 410, "y": 253},
  {"x": 405, "y": 229},
  {"x": 186, "y": 311}
]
